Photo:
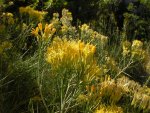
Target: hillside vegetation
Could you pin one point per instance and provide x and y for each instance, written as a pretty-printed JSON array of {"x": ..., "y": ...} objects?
[{"x": 74, "y": 56}]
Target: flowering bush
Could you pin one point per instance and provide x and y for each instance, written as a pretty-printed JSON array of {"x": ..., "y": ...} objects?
[
  {"x": 109, "y": 109},
  {"x": 33, "y": 14},
  {"x": 135, "y": 50},
  {"x": 64, "y": 54},
  {"x": 73, "y": 68}
]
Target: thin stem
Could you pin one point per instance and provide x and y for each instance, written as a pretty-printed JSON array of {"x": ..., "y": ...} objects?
[
  {"x": 122, "y": 71},
  {"x": 39, "y": 78}
]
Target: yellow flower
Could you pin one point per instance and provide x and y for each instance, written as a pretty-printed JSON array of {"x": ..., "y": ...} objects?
[
  {"x": 84, "y": 27},
  {"x": 137, "y": 50},
  {"x": 109, "y": 109},
  {"x": 93, "y": 49},
  {"x": 53, "y": 30},
  {"x": 136, "y": 44},
  {"x": 81, "y": 45},
  {"x": 69, "y": 53},
  {"x": 126, "y": 48},
  {"x": 56, "y": 15},
  {"x": 8, "y": 18},
  {"x": 64, "y": 29},
  {"x": 66, "y": 17},
  {"x": 91, "y": 35},
  {"x": 46, "y": 30},
  {"x": 9, "y": 14},
  {"x": 40, "y": 26},
  {"x": 107, "y": 91},
  {"x": 141, "y": 100},
  {"x": 145, "y": 101},
  {"x": 34, "y": 14},
  {"x": 49, "y": 30},
  {"x": 35, "y": 31}
]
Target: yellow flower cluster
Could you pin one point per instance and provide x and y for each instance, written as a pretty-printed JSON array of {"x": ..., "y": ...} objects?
[
  {"x": 56, "y": 21},
  {"x": 109, "y": 109},
  {"x": 45, "y": 34},
  {"x": 63, "y": 53},
  {"x": 126, "y": 48},
  {"x": 5, "y": 45},
  {"x": 91, "y": 89},
  {"x": 66, "y": 18},
  {"x": 7, "y": 18},
  {"x": 141, "y": 95},
  {"x": 67, "y": 30},
  {"x": 114, "y": 90},
  {"x": 107, "y": 90},
  {"x": 90, "y": 34},
  {"x": 141, "y": 100},
  {"x": 62, "y": 25},
  {"x": 34, "y": 14},
  {"x": 49, "y": 30},
  {"x": 128, "y": 85},
  {"x": 135, "y": 49}
]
